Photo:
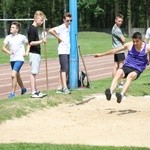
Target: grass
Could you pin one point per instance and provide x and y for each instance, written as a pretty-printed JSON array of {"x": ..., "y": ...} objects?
[
  {"x": 90, "y": 42},
  {"x": 25, "y": 146}
]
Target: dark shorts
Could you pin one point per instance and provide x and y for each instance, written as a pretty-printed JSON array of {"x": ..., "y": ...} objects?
[
  {"x": 64, "y": 62},
  {"x": 16, "y": 65},
  {"x": 119, "y": 57},
  {"x": 128, "y": 70}
]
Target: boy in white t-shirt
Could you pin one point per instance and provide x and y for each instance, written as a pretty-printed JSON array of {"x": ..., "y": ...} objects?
[
  {"x": 14, "y": 45},
  {"x": 62, "y": 33}
]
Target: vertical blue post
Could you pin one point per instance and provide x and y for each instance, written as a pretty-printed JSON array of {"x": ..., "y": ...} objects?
[{"x": 74, "y": 60}]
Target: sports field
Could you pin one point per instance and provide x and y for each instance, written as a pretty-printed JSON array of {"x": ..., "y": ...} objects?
[{"x": 96, "y": 122}]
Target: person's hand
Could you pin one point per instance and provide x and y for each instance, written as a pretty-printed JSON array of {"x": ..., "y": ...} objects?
[
  {"x": 60, "y": 40},
  {"x": 26, "y": 54},
  {"x": 10, "y": 53},
  {"x": 44, "y": 40}
]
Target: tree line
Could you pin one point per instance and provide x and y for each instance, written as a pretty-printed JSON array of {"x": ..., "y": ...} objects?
[{"x": 92, "y": 14}]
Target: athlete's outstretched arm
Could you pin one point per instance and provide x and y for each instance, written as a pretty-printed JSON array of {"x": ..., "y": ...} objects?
[{"x": 114, "y": 50}]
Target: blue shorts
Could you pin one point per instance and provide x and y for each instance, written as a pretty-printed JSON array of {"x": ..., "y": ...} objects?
[{"x": 16, "y": 65}]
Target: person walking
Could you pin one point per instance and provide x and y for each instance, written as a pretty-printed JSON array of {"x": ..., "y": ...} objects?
[
  {"x": 35, "y": 52},
  {"x": 14, "y": 45},
  {"x": 135, "y": 63},
  {"x": 118, "y": 40},
  {"x": 62, "y": 33}
]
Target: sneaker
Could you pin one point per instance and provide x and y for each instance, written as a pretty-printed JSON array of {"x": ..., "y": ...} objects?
[
  {"x": 41, "y": 94},
  {"x": 36, "y": 95},
  {"x": 119, "y": 97},
  {"x": 23, "y": 91},
  {"x": 66, "y": 91},
  {"x": 120, "y": 86},
  {"x": 12, "y": 95},
  {"x": 59, "y": 91},
  {"x": 108, "y": 94}
]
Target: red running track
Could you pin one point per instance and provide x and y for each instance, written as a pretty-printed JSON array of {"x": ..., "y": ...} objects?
[{"x": 97, "y": 68}]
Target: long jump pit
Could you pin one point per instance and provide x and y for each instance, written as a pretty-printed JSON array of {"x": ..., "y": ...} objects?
[{"x": 96, "y": 121}]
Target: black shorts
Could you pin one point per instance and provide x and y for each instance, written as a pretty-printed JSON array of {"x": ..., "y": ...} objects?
[
  {"x": 119, "y": 57},
  {"x": 128, "y": 70},
  {"x": 64, "y": 62}
]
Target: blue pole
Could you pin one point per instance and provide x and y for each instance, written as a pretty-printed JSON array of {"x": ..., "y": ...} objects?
[{"x": 74, "y": 60}]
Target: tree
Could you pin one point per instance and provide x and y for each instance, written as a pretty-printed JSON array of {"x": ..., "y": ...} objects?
[{"x": 129, "y": 18}]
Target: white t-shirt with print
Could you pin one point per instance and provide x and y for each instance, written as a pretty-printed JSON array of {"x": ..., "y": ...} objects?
[
  {"x": 64, "y": 33},
  {"x": 16, "y": 44}
]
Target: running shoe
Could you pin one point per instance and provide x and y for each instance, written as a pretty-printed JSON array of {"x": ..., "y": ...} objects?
[
  {"x": 41, "y": 94},
  {"x": 120, "y": 86},
  {"x": 119, "y": 97},
  {"x": 12, "y": 95},
  {"x": 23, "y": 91},
  {"x": 59, "y": 91},
  {"x": 108, "y": 94},
  {"x": 36, "y": 95},
  {"x": 66, "y": 91}
]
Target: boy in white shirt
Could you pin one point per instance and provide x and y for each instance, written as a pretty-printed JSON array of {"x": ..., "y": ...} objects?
[
  {"x": 62, "y": 33},
  {"x": 14, "y": 45}
]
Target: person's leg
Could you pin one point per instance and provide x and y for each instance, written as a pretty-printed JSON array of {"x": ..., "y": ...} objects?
[
  {"x": 60, "y": 83},
  {"x": 64, "y": 79},
  {"x": 19, "y": 80},
  {"x": 17, "y": 67},
  {"x": 119, "y": 75},
  {"x": 33, "y": 83},
  {"x": 35, "y": 66},
  {"x": 120, "y": 65},
  {"x": 131, "y": 76},
  {"x": 109, "y": 91},
  {"x": 115, "y": 68},
  {"x": 14, "y": 80},
  {"x": 120, "y": 61},
  {"x": 64, "y": 65}
]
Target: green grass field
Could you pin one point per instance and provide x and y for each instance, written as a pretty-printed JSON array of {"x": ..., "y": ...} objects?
[
  {"x": 90, "y": 42},
  {"x": 25, "y": 146}
]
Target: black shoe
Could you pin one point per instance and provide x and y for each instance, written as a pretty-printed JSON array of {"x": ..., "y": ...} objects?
[
  {"x": 108, "y": 94},
  {"x": 119, "y": 97}
]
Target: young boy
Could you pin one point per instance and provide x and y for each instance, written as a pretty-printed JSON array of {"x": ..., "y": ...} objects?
[
  {"x": 135, "y": 63},
  {"x": 62, "y": 33},
  {"x": 118, "y": 40},
  {"x": 14, "y": 45},
  {"x": 35, "y": 52}
]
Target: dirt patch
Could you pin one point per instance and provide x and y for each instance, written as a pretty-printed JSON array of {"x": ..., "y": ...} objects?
[{"x": 97, "y": 122}]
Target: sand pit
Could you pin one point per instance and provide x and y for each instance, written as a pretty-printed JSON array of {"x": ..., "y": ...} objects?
[{"x": 97, "y": 122}]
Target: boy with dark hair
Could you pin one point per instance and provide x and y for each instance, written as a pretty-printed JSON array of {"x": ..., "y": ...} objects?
[
  {"x": 14, "y": 45},
  {"x": 135, "y": 63},
  {"x": 62, "y": 33}
]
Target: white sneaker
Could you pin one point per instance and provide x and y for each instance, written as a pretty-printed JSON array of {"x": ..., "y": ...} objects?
[
  {"x": 120, "y": 86},
  {"x": 36, "y": 95},
  {"x": 66, "y": 91},
  {"x": 41, "y": 94},
  {"x": 59, "y": 91}
]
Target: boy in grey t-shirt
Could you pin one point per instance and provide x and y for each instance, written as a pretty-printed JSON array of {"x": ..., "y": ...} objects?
[{"x": 118, "y": 40}]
